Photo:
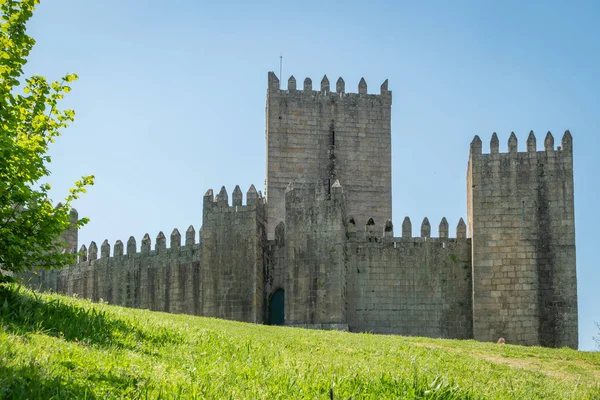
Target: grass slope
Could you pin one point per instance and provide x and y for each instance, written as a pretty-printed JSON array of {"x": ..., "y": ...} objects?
[{"x": 53, "y": 346}]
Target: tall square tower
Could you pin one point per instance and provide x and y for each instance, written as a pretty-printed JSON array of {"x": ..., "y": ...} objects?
[
  {"x": 522, "y": 225},
  {"x": 317, "y": 136}
]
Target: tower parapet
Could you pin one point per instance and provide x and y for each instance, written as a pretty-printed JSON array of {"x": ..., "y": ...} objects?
[{"x": 324, "y": 88}]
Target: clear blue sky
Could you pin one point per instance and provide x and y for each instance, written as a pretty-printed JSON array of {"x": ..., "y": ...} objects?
[{"x": 171, "y": 99}]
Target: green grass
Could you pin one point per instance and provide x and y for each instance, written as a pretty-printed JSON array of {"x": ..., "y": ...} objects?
[{"x": 53, "y": 346}]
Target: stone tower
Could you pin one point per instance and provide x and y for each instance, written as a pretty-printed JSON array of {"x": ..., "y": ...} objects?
[
  {"x": 320, "y": 136},
  {"x": 521, "y": 221},
  {"x": 315, "y": 265},
  {"x": 232, "y": 242},
  {"x": 70, "y": 236}
]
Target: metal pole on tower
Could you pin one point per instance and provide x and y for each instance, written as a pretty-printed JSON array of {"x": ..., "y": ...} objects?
[{"x": 280, "y": 69}]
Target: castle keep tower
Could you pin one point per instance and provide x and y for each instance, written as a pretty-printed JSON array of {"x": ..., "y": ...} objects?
[
  {"x": 318, "y": 136},
  {"x": 521, "y": 221}
]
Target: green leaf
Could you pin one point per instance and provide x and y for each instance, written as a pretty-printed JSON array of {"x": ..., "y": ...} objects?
[
  {"x": 70, "y": 77},
  {"x": 29, "y": 225}
]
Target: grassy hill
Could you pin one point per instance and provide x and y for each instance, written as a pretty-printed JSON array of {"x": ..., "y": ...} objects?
[{"x": 58, "y": 347}]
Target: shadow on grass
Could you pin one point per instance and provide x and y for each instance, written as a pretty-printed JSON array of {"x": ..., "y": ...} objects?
[
  {"x": 23, "y": 311},
  {"x": 31, "y": 382},
  {"x": 26, "y": 382}
]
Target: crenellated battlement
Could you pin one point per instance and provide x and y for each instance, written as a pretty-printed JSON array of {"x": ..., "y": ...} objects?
[
  {"x": 88, "y": 254},
  {"x": 325, "y": 91},
  {"x": 565, "y": 150},
  {"x": 220, "y": 202},
  {"x": 372, "y": 231}
]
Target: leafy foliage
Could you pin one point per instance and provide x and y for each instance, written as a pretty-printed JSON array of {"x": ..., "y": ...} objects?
[
  {"x": 53, "y": 346},
  {"x": 29, "y": 122}
]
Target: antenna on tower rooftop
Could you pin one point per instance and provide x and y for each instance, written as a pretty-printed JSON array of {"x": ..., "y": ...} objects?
[{"x": 280, "y": 69}]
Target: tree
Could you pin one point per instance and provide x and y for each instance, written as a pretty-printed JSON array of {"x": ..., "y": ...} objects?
[
  {"x": 597, "y": 338},
  {"x": 29, "y": 122}
]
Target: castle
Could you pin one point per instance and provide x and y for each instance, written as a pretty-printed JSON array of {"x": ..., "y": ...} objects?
[{"x": 319, "y": 251}]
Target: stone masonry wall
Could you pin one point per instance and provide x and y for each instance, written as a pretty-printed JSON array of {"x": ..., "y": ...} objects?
[
  {"x": 70, "y": 236},
  {"x": 418, "y": 286},
  {"x": 163, "y": 279},
  {"x": 318, "y": 136},
  {"x": 233, "y": 240},
  {"x": 521, "y": 220},
  {"x": 275, "y": 269},
  {"x": 315, "y": 273},
  {"x": 222, "y": 276}
]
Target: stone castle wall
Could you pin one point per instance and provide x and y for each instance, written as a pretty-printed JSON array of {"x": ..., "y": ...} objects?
[
  {"x": 315, "y": 262},
  {"x": 163, "y": 279},
  {"x": 333, "y": 276},
  {"x": 336, "y": 276},
  {"x": 419, "y": 286},
  {"x": 222, "y": 276},
  {"x": 71, "y": 236},
  {"x": 323, "y": 235},
  {"x": 521, "y": 220}
]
